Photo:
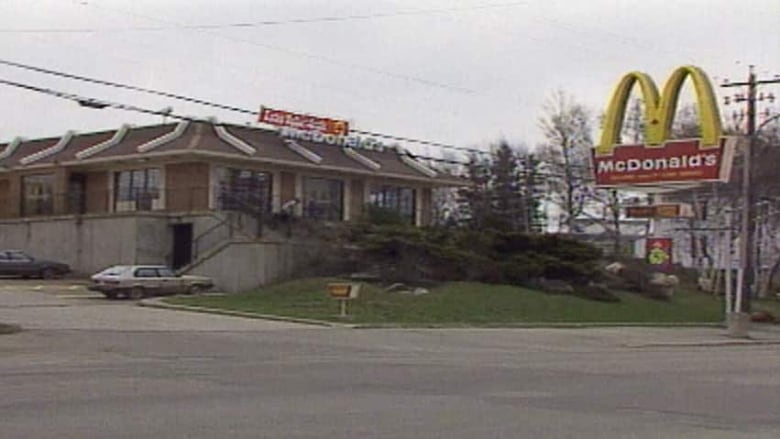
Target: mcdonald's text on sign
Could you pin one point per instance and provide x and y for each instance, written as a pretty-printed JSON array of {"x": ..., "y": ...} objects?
[
  {"x": 674, "y": 162},
  {"x": 660, "y": 160}
]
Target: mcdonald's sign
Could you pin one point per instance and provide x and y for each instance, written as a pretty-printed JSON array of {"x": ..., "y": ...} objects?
[
  {"x": 660, "y": 161},
  {"x": 303, "y": 122}
]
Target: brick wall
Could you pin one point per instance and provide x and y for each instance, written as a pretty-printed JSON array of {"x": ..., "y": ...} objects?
[
  {"x": 287, "y": 190},
  {"x": 357, "y": 199},
  {"x": 187, "y": 187},
  {"x": 5, "y": 197},
  {"x": 10, "y": 196},
  {"x": 60, "y": 190},
  {"x": 426, "y": 206},
  {"x": 97, "y": 192}
]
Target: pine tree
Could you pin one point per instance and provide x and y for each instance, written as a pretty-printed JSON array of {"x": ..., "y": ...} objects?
[
  {"x": 474, "y": 200},
  {"x": 504, "y": 193},
  {"x": 505, "y": 189}
]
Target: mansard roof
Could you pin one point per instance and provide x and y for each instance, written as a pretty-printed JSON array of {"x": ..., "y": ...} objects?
[{"x": 209, "y": 139}]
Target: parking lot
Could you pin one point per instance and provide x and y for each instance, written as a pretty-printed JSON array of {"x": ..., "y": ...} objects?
[{"x": 67, "y": 304}]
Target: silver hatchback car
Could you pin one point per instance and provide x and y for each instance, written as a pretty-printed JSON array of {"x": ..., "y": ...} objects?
[{"x": 138, "y": 281}]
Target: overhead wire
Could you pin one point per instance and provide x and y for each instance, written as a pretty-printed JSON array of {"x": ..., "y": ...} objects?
[
  {"x": 264, "y": 23},
  {"x": 212, "y": 104},
  {"x": 303, "y": 54},
  {"x": 90, "y": 102},
  {"x": 126, "y": 87}
]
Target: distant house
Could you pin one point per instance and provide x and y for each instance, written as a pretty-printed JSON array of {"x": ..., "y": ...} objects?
[{"x": 157, "y": 194}]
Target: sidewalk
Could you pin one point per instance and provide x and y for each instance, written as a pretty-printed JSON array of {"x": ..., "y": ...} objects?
[{"x": 759, "y": 334}]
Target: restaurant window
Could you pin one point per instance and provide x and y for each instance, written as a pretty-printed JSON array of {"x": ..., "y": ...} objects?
[
  {"x": 137, "y": 189},
  {"x": 323, "y": 199},
  {"x": 395, "y": 198},
  {"x": 243, "y": 189},
  {"x": 38, "y": 194}
]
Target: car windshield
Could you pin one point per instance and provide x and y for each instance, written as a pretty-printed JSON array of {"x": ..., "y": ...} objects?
[{"x": 115, "y": 271}]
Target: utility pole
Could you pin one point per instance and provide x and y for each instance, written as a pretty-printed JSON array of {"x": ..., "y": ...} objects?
[{"x": 748, "y": 217}]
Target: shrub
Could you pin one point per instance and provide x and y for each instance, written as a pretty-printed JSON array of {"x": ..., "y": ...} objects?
[
  {"x": 521, "y": 269},
  {"x": 413, "y": 254},
  {"x": 379, "y": 215}
]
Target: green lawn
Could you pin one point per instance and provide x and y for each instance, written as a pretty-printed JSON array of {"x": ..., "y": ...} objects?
[{"x": 466, "y": 304}]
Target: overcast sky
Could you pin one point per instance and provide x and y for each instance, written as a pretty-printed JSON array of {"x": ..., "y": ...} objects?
[{"x": 462, "y": 72}]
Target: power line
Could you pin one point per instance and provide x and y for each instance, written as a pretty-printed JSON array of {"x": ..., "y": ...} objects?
[
  {"x": 264, "y": 23},
  {"x": 212, "y": 104},
  {"x": 126, "y": 87},
  {"x": 91, "y": 102},
  {"x": 101, "y": 104},
  {"x": 314, "y": 56}
]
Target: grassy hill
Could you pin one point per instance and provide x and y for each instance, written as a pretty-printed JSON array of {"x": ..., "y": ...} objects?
[{"x": 467, "y": 303}]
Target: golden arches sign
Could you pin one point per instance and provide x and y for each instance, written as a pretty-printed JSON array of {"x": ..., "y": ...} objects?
[{"x": 660, "y": 109}]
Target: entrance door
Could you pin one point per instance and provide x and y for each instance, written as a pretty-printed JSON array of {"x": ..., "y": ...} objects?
[{"x": 182, "y": 245}]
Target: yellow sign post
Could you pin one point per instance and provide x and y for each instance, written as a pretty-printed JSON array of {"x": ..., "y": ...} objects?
[{"x": 343, "y": 292}]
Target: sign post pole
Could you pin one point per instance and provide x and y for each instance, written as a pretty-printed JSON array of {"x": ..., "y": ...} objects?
[
  {"x": 343, "y": 292},
  {"x": 343, "y": 312},
  {"x": 729, "y": 287}
]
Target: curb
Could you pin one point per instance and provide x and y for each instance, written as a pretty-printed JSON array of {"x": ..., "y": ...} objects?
[
  {"x": 536, "y": 325},
  {"x": 705, "y": 344},
  {"x": 157, "y": 302}
]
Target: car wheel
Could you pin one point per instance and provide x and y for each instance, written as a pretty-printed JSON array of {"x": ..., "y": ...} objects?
[
  {"x": 136, "y": 293},
  {"x": 111, "y": 296},
  {"x": 195, "y": 289},
  {"x": 48, "y": 273}
]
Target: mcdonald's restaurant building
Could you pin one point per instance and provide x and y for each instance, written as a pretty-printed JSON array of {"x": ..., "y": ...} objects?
[{"x": 193, "y": 194}]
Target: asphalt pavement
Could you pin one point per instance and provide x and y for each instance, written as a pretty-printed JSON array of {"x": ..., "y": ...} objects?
[{"x": 86, "y": 367}]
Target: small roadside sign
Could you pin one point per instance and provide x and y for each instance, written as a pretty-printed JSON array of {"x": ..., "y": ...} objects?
[{"x": 343, "y": 292}]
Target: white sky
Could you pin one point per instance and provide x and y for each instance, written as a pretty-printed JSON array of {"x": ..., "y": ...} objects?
[{"x": 463, "y": 72}]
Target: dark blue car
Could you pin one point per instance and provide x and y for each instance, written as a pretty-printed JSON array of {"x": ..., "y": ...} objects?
[{"x": 19, "y": 264}]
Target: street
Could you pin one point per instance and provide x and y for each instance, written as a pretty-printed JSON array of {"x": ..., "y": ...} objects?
[{"x": 85, "y": 367}]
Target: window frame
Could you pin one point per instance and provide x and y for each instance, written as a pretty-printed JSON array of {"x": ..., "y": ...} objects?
[
  {"x": 130, "y": 196},
  {"x": 330, "y": 214},
  {"x": 165, "y": 272},
  {"x": 400, "y": 199},
  {"x": 151, "y": 270},
  {"x": 19, "y": 256},
  {"x": 225, "y": 179},
  {"x": 41, "y": 204}
]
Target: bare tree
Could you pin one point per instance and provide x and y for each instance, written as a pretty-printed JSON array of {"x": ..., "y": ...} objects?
[{"x": 567, "y": 127}]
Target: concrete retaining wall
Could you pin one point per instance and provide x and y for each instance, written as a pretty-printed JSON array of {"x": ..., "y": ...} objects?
[
  {"x": 238, "y": 266},
  {"x": 87, "y": 245},
  {"x": 93, "y": 242}
]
